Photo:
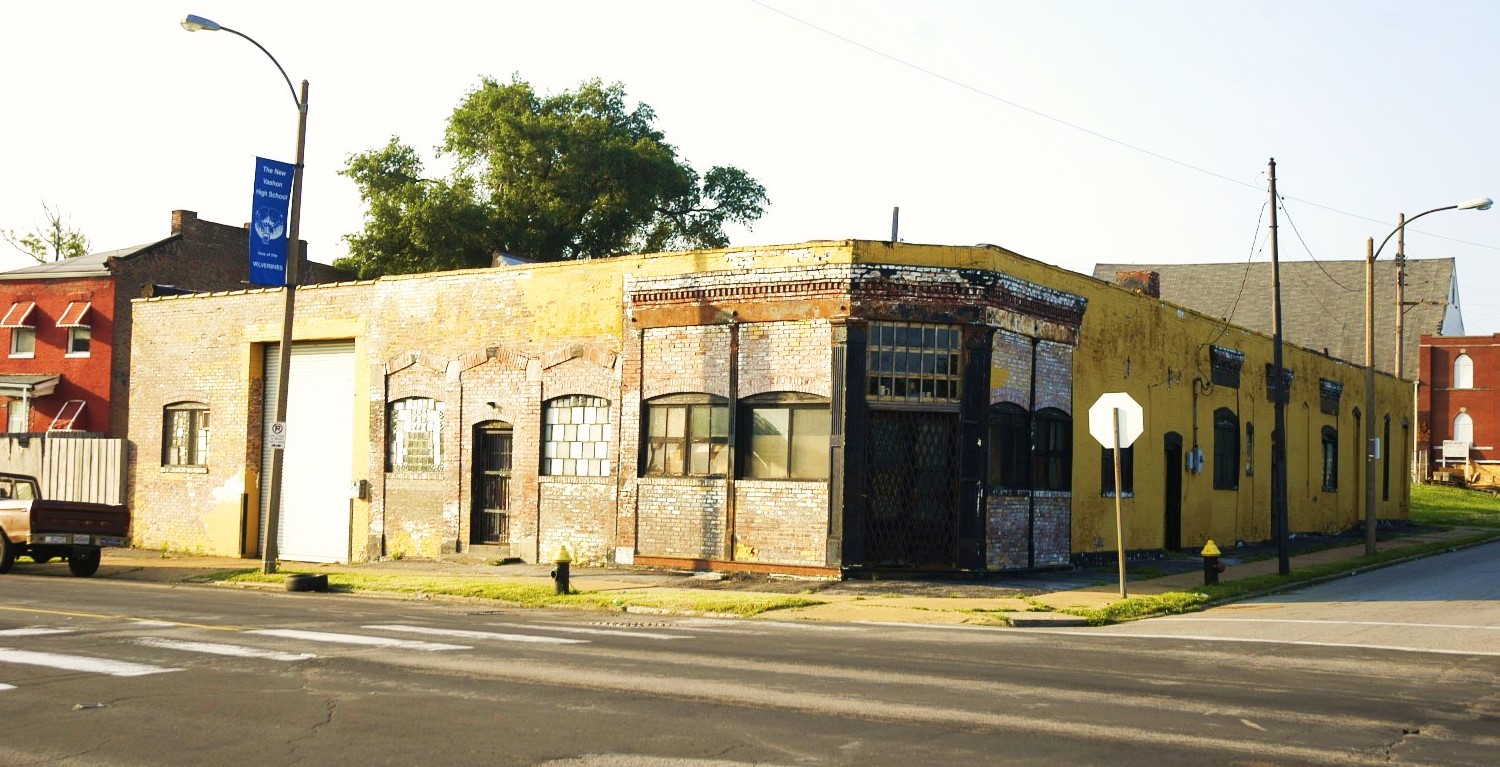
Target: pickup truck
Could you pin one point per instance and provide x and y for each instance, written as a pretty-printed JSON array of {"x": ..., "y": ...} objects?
[{"x": 31, "y": 526}]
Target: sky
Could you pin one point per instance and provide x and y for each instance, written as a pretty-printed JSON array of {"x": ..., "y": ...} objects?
[{"x": 1072, "y": 132}]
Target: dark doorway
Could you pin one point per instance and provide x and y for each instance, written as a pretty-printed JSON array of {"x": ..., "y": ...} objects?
[
  {"x": 912, "y": 461},
  {"x": 1172, "y": 491},
  {"x": 490, "y": 523}
]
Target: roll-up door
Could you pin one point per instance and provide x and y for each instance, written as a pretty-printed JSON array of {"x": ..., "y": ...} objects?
[{"x": 318, "y": 465}]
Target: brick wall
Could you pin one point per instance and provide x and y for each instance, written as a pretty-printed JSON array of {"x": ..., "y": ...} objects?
[
  {"x": 681, "y": 517},
  {"x": 83, "y": 378},
  {"x": 781, "y": 522}
]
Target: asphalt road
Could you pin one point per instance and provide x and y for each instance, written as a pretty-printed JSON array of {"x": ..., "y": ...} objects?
[{"x": 109, "y": 673}]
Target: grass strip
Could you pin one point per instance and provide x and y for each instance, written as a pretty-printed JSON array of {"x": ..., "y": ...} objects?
[
  {"x": 1442, "y": 505},
  {"x": 1176, "y": 602},
  {"x": 536, "y": 594}
]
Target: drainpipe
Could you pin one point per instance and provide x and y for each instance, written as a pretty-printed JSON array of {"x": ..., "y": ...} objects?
[
  {"x": 734, "y": 395},
  {"x": 1031, "y": 476}
]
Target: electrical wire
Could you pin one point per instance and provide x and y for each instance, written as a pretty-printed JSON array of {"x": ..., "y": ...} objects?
[
  {"x": 1081, "y": 129},
  {"x": 1282, "y": 205}
]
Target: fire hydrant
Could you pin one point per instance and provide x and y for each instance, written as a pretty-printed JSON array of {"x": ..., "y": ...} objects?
[
  {"x": 560, "y": 575},
  {"x": 1211, "y": 564}
]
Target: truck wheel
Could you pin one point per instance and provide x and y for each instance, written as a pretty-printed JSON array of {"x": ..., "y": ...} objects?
[
  {"x": 7, "y": 553},
  {"x": 84, "y": 562}
]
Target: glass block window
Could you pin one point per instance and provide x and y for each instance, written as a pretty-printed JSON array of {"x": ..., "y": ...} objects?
[
  {"x": 415, "y": 435},
  {"x": 575, "y": 437},
  {"x": 912, "y": 362},
  {"x": 687, "y": 435}
]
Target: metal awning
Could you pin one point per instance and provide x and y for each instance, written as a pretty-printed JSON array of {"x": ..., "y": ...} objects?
[
  {"x": 29, "y": 386},
  {"x": 76, "y": 315},
  {"x": 19, "y": 315},
  {"x": 67, "y": 416}
]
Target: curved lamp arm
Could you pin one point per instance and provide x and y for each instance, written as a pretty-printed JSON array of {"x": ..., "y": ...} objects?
[
  {"x": 195, "y": 23},
  {"x": 1478, "y": 203}
]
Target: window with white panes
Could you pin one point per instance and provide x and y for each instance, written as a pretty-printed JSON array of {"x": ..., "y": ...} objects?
[
  {"x": 415, "y": 435},
  {"x": 576, "y": 433}
]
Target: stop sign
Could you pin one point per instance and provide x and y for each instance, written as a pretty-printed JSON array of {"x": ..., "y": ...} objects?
[{"x": 1102, "y": 419}]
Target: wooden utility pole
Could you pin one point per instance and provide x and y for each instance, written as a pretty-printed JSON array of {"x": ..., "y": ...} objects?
[{"x": 1281, "y": 392}]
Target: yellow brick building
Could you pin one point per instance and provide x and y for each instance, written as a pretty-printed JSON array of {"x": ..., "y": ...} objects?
[{"x": 823, "y": 408}]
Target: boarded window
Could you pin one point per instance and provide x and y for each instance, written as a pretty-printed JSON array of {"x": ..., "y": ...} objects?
[
  {"x": 1226, "y": 450},
  {"x": 1329, "y": 394},
  {"x": 1226, "y": 364}
]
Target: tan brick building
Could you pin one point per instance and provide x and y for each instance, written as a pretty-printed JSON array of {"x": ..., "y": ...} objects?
[{"x": 817, "y": 408}]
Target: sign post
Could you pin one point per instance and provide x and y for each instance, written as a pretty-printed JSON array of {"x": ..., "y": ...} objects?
[{"x": 1116, "y": 421}]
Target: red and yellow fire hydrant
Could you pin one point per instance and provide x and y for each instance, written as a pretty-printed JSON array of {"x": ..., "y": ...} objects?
[{"x": 1211, "y": 564}]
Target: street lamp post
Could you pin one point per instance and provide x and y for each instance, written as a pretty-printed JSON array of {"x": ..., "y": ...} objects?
[
  {"x": 293, "y": 259},
  {"x": 1372, "y": 253}
]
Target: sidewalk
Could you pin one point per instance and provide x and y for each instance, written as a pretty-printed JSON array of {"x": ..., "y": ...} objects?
[{"x": 998, "y": 601}]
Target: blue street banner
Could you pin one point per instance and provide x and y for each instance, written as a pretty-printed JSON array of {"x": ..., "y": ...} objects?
[{"x": 268, "y": 221}]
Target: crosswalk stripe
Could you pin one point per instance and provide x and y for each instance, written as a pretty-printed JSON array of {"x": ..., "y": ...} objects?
[
  {"x": 358, "y": 639},
  {"x": 79, "y": 663},
  {"x": 599, "y": 632},
  {"x": 231, "y": 650},
  {"x": 467, "y": 634},
  {"x": 33, "y": 632},
  {"x": 4, "y": 686}
]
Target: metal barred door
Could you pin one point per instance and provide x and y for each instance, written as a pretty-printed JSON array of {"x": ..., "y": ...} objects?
[
  {"x": 491, "y": 521},
  {"x": 913, "y": 476}
]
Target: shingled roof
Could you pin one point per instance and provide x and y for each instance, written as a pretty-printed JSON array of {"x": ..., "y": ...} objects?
[{"x": 1322, "y": 303}]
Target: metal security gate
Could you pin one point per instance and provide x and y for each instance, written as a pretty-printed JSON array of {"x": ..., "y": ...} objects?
[
  {"x": 912, "y": 519},
  {"x": 319, "y": 461},
  {"x": 490, "y": 524}
]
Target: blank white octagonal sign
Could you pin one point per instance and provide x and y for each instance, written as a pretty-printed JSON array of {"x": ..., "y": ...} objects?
[{"x": 1102, "y": 419}]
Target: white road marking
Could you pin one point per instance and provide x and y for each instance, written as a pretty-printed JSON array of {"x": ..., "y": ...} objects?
[
  {"x": 4, "y": 687},
  {"x": 358, "y": 639},
  {"x": 33, "y": 632},
  {"x": 1330, "y": 622},
  {"x": 157, "y": 624},
  {"x": 466, "y": 634},
  {"x": 223, "y": 649},
  {"x": 598, "y": 632},
  {"x": 79, "y": 663}
]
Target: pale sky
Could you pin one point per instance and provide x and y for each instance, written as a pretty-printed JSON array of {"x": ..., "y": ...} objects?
[{"x": 1072, "y": 132}]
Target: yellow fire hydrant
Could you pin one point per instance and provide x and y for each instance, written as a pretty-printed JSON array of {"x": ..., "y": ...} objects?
[
  {"x": 560, "y": 574},
  {"x": 1211, "y": 564}
]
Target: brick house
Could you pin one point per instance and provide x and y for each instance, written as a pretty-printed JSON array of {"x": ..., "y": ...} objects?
[
  {"x": 820, "y": 408},
  {"x": 1458, "y": 411},
  {"x": 69, "y": 322}
]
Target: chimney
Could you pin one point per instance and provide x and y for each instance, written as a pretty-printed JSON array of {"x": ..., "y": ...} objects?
[
  {"x": 1142, "y": 281},
  {"x": 180, "y": 219}
]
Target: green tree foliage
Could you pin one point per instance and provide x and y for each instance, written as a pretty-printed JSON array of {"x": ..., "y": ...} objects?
[
  {"x": 573, "y": 175},
  {"x": 53, "y": 240}
]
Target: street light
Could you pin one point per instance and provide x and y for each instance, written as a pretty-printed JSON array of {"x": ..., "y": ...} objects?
[
  {"x": 293, "y": 257},
  {"x": 1372, "y": 253}
]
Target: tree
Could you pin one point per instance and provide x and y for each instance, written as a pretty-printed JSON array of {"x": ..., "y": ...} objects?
[
  {"x": 55, "y": 240},
  {"x": 573, "y": 175}
]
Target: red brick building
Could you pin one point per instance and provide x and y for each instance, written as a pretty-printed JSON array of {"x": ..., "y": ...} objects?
[
  {"x": 67, "y": 324},
  {"x": 1458, "y": 411}
]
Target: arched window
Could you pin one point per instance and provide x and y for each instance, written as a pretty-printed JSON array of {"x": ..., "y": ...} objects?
[
  {"x": 414, "y": 435},
  {"x": 784, "y": 436},
  {"x": 1226, "y": 450},
  {"x": 575, "y": 437},
  {"x": 1385, "y": 466},
  {"x": 687, "y": 435},
  {"x": 1009, "y": 447},
  {"x": 1052, "y": 460},
  {"x": 1463, "y": 372},
  {"x": 1330, "y": 458},
  {"x": 1463, "y": 428},
  {"x": 184, "y": 440}
]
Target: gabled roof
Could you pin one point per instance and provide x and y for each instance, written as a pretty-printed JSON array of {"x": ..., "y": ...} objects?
[
  {"x": 1322, "y": 303},
  {"x": 90, "y": 265}
]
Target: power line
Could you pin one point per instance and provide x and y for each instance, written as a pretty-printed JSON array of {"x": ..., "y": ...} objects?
[
  {"x": 1282, "y": 201},
  {"x": 1081, "y": 129}
]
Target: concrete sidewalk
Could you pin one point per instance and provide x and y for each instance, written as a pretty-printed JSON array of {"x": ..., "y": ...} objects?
[{"x": 1024, "y": 600}]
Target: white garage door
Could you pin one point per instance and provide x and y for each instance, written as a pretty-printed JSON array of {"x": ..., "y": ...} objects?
[{"x": 318, "y": 465}]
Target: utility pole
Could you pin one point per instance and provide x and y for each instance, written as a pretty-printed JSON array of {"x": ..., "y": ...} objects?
[{"x": 1280, "y": 393}]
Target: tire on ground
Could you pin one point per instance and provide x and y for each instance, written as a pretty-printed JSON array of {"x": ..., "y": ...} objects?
[{"x": 307, "y": 582}]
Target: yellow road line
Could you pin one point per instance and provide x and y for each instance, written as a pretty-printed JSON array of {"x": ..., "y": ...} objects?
[{"x": 117, "y": 616}]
